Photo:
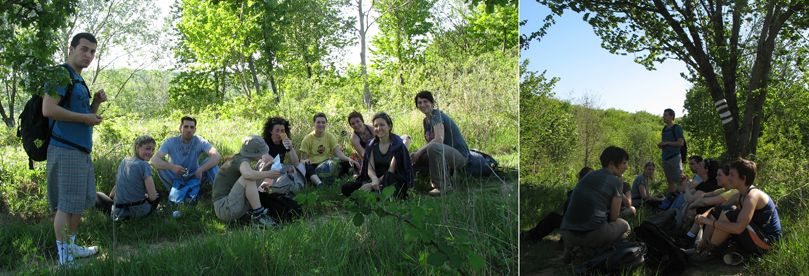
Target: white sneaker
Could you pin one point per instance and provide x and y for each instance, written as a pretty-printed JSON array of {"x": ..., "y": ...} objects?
[{"x": 81, "y": 251}]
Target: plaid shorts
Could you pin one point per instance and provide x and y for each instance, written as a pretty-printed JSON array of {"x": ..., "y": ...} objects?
[{"x": 71, "y": 180}]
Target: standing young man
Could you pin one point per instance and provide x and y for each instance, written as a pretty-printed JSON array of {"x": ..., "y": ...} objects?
[
  {"x": 184, "y": 152},
  {"x": 70, "y": 175},
  {"x": 672, "y": 140}
]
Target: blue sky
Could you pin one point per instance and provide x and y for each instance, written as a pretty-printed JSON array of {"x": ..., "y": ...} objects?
[{"x": 571, "y": 51}]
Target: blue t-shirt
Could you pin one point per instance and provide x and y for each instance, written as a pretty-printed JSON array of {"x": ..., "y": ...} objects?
[
  {"x": 185, "y": 154},
  {"x": 79, "y": 102},
  {"x": 668, "y": 135},
  {"x": 452, "y": 134},
  {"x": 591, "y": 200},
  {"x": 130, "y": 180}
]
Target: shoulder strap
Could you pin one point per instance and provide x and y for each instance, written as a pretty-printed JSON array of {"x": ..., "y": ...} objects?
[{"x": 64, "y": 102}]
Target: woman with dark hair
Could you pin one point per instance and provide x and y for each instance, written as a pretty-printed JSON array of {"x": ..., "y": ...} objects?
[
  {"x": 278, "y": 199},
  {"x": 277, "y": 136},
  {"x": 362, "y": 133},
  {"x": 386, "y": 162}
]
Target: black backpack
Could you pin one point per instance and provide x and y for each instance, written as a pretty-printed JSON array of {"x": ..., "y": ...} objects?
[
  {"x": 684, "y": 148},
  {"x": 619, "y": 259},
  {"x": 35, "y": 130},
  {"x": 663, "y": 252}
]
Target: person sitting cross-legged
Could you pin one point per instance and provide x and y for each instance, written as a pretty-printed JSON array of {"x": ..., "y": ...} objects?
[{"x": 320, "y": 146}]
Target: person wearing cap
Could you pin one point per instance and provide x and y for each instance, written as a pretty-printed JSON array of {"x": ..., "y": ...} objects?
[
  {"x": 446, "y": 149},
  {"x": 236, "y": 186}
]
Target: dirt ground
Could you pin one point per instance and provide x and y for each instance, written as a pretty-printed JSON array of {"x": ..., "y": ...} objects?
[{"x": 545, "y": 258}]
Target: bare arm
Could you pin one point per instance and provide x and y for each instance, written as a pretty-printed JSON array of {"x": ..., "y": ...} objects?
[
  {"x": 355, "y": 142},
  {"x": 213, "y": 159},
  {"x": 438, "y": 138},
  {"x": 744, "y": 218},
  {"x": 615, "y": 207},
  {"x": 372, "y": 172},
  {"x": 52, "y": 110},
  {"x": 339, "y": 153},
  {"x": 250, "y": 174},
  {"x": 707, "y": 201},
  {"x": 161, "y": 164},
  {"x": 644, "y": 194},
  {"x": 151, "y": 192}
]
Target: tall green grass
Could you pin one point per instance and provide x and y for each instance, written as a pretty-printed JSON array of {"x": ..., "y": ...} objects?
[{"x": 481, "y": 209}]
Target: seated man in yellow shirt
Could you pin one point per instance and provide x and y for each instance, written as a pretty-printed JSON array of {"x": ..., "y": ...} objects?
[{"x": 320, "y": 146}]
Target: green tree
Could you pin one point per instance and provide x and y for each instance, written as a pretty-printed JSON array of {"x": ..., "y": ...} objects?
[
  {"x": 711, "y": 38},
  {"x": 29, "y": 32},
  {"x": 403, "y": 29},
  {"x": 316, "y": 30},
  {"x": 547, "y": 126}
]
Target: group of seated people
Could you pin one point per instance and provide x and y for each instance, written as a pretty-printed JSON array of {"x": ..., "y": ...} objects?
[
  {"x": 720, "y": 204},
  {"x": 260, "y": 180}
]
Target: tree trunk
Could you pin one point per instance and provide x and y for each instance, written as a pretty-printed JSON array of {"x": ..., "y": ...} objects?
[
  {"x": 7, "y": 119},
  {"x": 224, "y": 81},
  {"x": 251, "y": 62},
  {"x": 363, "y": 66},
  {"x": 246, "y": 88},
  {"x": 272, "y": 79}
]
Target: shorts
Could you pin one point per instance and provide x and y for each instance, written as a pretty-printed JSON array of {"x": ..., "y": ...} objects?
[
  {"x": 234, "y": 205},
  {"x": 751, "y": 239},
  {"x": 71, "y": 180},
  {"x": 673, "y": 169}
]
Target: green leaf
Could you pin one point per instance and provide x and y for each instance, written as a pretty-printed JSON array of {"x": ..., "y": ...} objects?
[
  {"x": 387, "y": 192},
  {"x": 476, "y": 262},
  {"x": 359, "y": 219},
  {"x": 436, "y": 259}
]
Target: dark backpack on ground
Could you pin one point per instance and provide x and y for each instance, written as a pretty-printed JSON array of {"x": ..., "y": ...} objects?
[
  {"x": 662, "y": 250},
  {"x": 684, "y": 148},
  {"x": 35, "y": 130},
  {"x": 621, "y": 258},
  {"x": 481, "y": 164}
]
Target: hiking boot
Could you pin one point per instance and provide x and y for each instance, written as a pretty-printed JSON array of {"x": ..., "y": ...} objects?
[
  {"x": 262, "y": 219},
  {"x": 710, "y": 252},
  {"x": 81, "y": 251}
]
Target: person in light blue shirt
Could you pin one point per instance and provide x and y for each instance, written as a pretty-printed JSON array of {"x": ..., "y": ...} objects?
[{"x": 184, "y": 152}]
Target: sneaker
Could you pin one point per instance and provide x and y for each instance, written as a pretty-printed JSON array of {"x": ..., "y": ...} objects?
[
  {"x": 262, "y": 219},
  {"x": 81, "y": 251},
  {"x": 434, "y": 192},
  {"x": 733, "y": 258}
]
